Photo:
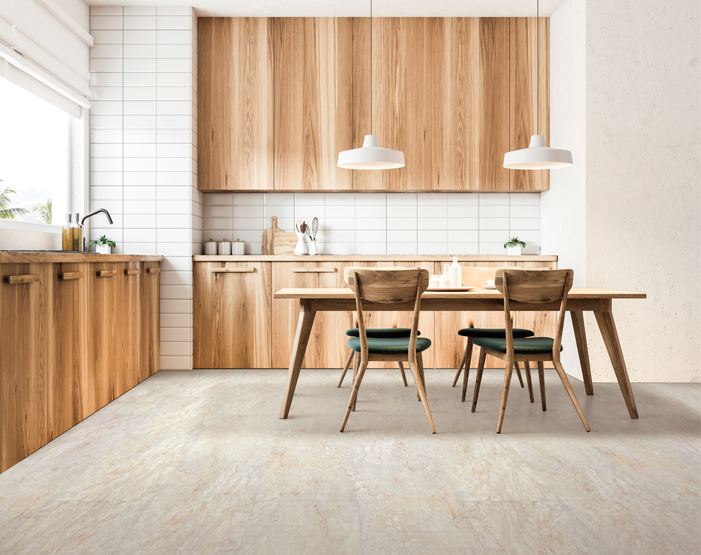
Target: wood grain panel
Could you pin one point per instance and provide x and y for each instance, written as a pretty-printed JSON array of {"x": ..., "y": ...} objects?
[
  {"x": 494, "y": 103},
  {"x": 24, "y": 362},
  {"x": 313, "y": 98},
  {"x": 232, "y": 316},
  {"x": 150, "y": 320},
  {"x": 523, "y": 92},
  {"x": 235, "y": 104},
  {"x": 401, "y": 102},
  {"x": 450, "y": 346}
]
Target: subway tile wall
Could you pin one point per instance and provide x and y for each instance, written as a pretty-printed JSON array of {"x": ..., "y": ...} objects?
[
  {"x": 143, "y": 150},
  {"x": 379, "y": 223}
]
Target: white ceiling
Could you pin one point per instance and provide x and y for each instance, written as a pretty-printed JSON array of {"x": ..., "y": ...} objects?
[{"x": 351, "y": 8}]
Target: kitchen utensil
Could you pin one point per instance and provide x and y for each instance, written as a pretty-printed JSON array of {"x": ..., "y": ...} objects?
[
  {"x": 276, "y": 241},
  {"x": 315, "y": 228},
  {"x": 224, "y": 247},
  {"x": 210, "y": 247}
]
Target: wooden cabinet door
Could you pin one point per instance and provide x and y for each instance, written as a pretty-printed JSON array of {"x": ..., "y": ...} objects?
[
  {"x": 524, "y": 92},
  {"x": 232, "y": 315},
  {"x": 129, "y": 323},
  {"x": 235, "y": 103},
  {"x": 24, "y": 361},
  {"x": 68, "y": 402},
  {"x": 313, "y": 92},
  {"x": 450, "y": 346},
  {"x": 150, "y": 320},
  {"x": 327, "y": 343}
]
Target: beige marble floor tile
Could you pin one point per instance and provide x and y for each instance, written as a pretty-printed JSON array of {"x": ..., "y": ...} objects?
[
  {"x": 202, "y": 509},
  {"x": 72, "y": 527},
  {"x": 391, "y": 439},
  {"x": 300, "y": 470},
  {"x": 411, "y": 509},
  {"x": 185, "y": 415},
  {"x": 531, "y": 527},
  {"x": 302, "y": 528}
]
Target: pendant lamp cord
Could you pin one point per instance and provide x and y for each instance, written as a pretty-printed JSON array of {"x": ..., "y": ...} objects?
[
  {"x": 370, "y": 67},
  {"x": 537, "y": 66}
]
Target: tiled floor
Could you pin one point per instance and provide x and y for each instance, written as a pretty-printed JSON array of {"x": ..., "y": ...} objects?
[{"x": 198, "y": 462}]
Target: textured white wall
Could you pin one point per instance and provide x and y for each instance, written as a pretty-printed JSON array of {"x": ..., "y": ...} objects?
[
  {"x": 563, "y": 229},
  {"x": 641, "y": 167}
]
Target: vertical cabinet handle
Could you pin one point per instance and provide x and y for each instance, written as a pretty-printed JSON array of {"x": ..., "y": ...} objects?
[
  {"x": 16, "y": 280},
  {"x": 68, "y": 276}
]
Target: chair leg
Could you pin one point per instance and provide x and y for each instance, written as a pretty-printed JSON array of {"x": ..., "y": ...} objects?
[
  {"x": 570, "y": 392},
  {"x": 478, "y": 380},
  {"x": 468, "y": 359},
  {"x": 505, "y": 394},
  {"x": 345, "y": 367},
  {"x": 401, "y": 369},
  {"x": 420, "y": 365},
  {"x": 354, "y": 392},
  {"x": 518, "y": 373},
  {"x": 541, "y": 379},
  {"x": 422, "y": 393},
  {"x": 527, "y": 370},
  {"x": 356, "y": 366},
  {"x": 462, "y": 363}
]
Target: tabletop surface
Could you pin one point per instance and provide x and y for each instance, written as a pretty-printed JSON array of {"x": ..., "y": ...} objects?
[{"x": 345, "y": 293}]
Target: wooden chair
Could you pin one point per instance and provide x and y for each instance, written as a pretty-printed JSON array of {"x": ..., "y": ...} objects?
[
  {"x": 530, "y": 287},
  {"x": 477, "y": 277},
  {"x": 394, "y": 331},
  {"x": 381, "y": 285}
]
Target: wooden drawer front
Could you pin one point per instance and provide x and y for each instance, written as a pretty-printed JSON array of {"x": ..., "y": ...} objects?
[
  {"x": 232, "y": 315},
  {"x": 450, "y": 346},
  {"x": 326, "y": 348}
]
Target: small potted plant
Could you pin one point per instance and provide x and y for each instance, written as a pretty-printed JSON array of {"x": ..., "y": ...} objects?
[
  {"x": 514, "y": 246},
  {"x": 104, "y": 245}
]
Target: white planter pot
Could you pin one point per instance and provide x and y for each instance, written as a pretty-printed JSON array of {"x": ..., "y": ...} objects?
[
  {"x": 103, "y": 249},
  {"x": 513, "y": 251}
]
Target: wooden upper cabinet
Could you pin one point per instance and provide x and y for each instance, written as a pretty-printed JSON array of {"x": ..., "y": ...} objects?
[
  {"x": 401, "y": 100},
  {"x": 524, "y": 92},
  {"x": 235, "y": 104},
  {"x": 313, "y": 92}
]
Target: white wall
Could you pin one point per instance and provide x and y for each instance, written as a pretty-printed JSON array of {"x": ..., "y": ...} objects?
[
  {"x": 382, "y": 223},
  {"x": 143, "y": 143},
  {"x": 642, "y": 171}
]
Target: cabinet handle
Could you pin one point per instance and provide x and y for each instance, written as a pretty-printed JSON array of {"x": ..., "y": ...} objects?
[
  {"x": 132, "y": 271},
  {"x": 246, "y": 270},
  {"x": 68, "y": 276},
  {"x": 15, "y": 280},
  {"x": 106, "y": 273},
  {"x": 154, "y": 270},
  {"x": 313, "y": 270}
]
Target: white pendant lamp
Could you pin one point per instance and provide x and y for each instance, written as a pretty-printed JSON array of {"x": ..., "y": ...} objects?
[
  {"x": 537, "y": 156},
  {"x": 371, "y": 156}
]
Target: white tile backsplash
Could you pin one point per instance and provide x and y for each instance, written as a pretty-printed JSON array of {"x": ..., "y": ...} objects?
[{"x": 382, "y": 223}]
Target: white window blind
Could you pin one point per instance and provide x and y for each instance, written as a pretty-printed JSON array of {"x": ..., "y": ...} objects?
[{"x": 49, "y": 48}]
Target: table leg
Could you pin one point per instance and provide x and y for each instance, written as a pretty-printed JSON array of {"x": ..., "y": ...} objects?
[
  {"x": 581, "y": 338},
  {"x": 613, "y": 346},
  {"x": 304, "y": 328}
]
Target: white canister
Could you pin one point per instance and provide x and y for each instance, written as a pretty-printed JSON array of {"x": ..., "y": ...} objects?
[
  {"x": 224, "y": 247},
  {"x": 434, "y": 282},
  {"x": 210, "y": 247},
  {"x": 238, "y": 247}
]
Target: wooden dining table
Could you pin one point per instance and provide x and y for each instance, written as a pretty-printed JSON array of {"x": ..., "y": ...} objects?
[{"x": 598, "y": 301}]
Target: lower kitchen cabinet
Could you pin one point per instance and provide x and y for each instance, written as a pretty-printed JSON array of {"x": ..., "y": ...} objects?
[
  {"x": 232, "y": 315},
  {"x": 73, "y": 337}
]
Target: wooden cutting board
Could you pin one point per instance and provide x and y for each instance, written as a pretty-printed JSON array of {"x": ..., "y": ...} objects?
[{"x": 276, "y": 241}]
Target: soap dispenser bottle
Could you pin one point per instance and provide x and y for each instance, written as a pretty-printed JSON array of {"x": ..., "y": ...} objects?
[
  {"x": 77, "y": 233},
  {"x": 67, "y": 234},
  {"x": 456, "y": 273}
]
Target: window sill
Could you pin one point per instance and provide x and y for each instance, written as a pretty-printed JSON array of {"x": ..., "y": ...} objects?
[{"x": 29, "y": 226}]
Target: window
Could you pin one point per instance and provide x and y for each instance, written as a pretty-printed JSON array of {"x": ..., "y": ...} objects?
[{"x": 34, "y": 157}]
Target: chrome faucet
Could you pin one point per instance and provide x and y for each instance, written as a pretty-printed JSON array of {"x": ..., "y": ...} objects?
[{"x": 92, "y": 214}]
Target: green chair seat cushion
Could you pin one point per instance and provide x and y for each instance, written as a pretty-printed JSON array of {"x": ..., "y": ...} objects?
[
  {"x": 381, "y": 332},
  {"x": 522, "y": 346},
  {"x": 498, "y": 333},
  {"x": 389, "y": 345}
]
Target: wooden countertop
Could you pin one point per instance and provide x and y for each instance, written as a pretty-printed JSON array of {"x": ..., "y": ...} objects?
[
  {"x": 376, "y": 258},
  {"x": 20, "y": 257}
]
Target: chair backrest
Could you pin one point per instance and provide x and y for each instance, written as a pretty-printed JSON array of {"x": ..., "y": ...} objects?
[
  {"x": 534, "y": 287},
  {"x": 389, "y": 285},
  {"x": 347, "y": 275}
]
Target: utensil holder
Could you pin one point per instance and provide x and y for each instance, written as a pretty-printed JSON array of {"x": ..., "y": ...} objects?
[
  {"x": 301, "y": 247},
  {"x": 312, "y": 248}
]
